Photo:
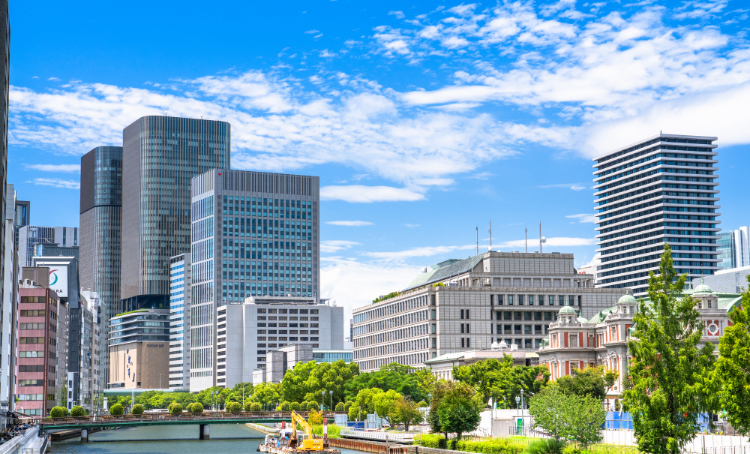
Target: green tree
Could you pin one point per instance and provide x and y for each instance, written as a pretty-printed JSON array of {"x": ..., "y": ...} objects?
[
  {"x": 402, "y": 379},
  {"x": 196, "y": 408},
  {"x": 175, "y": 409},
  {"x": 732, "y": 374},
  {"x": 295, "y": 406},
  {"x": 234, "y": 407},
  {"x": 312, "y": 406},
  {"x": 383, "y": 402},
  {"x": 568, "y": 416},
  {"x": 266, "y": 394},
  {"x": 58, "y": 412},
  {"x": 252, "y": 406},
  {"x": 340, "y": 406},
  {"x": 347, "y": 405},
  {"x": 670, "y": 374},
  {"x": 116, "y": 410},
  {"x": 284, "y": 406},
  {"x": 355, "y": 414},
  {"x": 459, "y": 411},
  {"x": 77, "y": 411},
  {"x": 137, "y": 409},
  {"x": 405, "y": 411},
  {"x": 591, "y": 381}
]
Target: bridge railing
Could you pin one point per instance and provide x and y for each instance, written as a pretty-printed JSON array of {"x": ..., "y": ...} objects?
[{"x": 146, "y": 417}]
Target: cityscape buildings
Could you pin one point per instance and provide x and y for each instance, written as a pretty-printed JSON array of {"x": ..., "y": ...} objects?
[
  {"x": 660, "y": 190},
  {"x": 463, "y": 305},
  {"x": 139, "y": 349},
  {"x": 734, "y": 248},
  {"x": 602, "y": 340},
  {"x": 733, "y": 280},
  {"x": 253, "y": 235},
  {"x": 9, "y": 310},
  {"x": 29, "y": 236},
  {"x": 160, "y": 156},
  {"x": 179, "y": 322},
  {"x": 101, "y": 223},
  {"x": 91, "y": 385},
  {"x": 4, "y": 115},
  {"x": 22, "y": 217}
]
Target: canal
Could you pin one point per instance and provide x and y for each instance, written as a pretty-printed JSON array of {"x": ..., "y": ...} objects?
[{"x": 225, "y": 439}]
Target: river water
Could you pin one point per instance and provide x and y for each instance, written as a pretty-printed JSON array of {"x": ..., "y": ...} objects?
[{"x": 225, "y": 439}]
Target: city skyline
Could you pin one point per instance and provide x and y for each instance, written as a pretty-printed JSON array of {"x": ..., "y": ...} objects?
[{"x": 366, "y": 76}]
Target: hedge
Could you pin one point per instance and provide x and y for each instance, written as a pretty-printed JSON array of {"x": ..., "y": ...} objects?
[
  {"x": 116, "y": 410},
  {"x": 333, "y": 430},
  {"x": 77, "y": 411},
  {"x": 491, "y": 446},
  {"x": 137, "y": 409},
  {"x": 58, "y": 412},
  {"x": 234, "y": 407}
]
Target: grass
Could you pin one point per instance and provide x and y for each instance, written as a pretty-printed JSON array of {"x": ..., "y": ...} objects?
[
  {"x": 511, "y": 445},
  {"x": 333, "y": 430}
]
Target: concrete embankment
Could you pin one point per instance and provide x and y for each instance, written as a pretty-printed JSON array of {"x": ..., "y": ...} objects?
[{"x": 371, "y": 446}]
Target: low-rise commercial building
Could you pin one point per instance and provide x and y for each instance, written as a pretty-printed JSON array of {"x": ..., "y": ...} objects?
[
  {"x": 442, "y": 366},
  {"x": 139, "y": 349},
  {"x": 258, "y": 327},
  {"x": 577, "y": 343},
  {"x": 466, "y": 305}
]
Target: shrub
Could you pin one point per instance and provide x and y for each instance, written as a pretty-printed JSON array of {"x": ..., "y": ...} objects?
[
  {"x": 175, "y": 409},
  {"x": 549, "y": 446},
  {"x": 340, "y": 406},
  {"x": 58, "y": 412},
  {"x": 196, "y": 408},
  {"x": 422, "y": 404},
  {"x": 491, "y": 446},
  {"x": 348, "y": 405},
  {"x": 295, "y": 406},
  {"x": 284, "y": 406},
  {"x": 234, "y": 407},
  {"x": 333, "y": 430},
  {"x": 77, "y": 411},
  {"x": 252, "y": 406},
  {"x": 137, "y": 409},
  {"x": 315, "y": 418},
  {"x": 116, "y": 410},
  {"x": 312, "y": 406}
]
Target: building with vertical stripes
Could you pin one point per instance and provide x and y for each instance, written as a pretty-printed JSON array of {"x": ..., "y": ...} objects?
[{"x": 657, "y": 191}]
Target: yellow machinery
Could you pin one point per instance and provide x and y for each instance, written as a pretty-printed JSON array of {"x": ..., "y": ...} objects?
[{"x": 309, "y": 443}]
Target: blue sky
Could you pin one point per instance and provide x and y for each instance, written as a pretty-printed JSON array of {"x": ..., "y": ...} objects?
[{"x": 423, "y": 119}]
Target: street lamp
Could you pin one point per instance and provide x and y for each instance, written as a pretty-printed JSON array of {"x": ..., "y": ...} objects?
[
  {"x": 518, "y": 401},
  {"x": 323, "y": 399},
  {"x": 331, "y": 393}
]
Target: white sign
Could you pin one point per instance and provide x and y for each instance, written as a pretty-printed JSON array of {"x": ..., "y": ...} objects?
[{"x": 58, "y": 279}]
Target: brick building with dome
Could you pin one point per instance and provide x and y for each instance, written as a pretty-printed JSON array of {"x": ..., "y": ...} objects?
[{"x": 576, "y": 343}]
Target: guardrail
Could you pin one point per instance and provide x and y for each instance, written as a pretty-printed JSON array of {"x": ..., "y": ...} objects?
[
  {"x": 381, "y": 436},
  {"x": 18, "y": 445},
  {"x": 239, "y": 416}
]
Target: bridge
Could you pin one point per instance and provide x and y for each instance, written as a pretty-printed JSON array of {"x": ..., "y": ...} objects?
[{"x": 204, "y": 420}]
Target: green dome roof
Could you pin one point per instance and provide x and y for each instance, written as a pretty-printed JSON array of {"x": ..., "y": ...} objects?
[
  {"x": 703, "y": 288},
  {"x": 627, "y": 299},
  {"x": 567, "y": 310}
]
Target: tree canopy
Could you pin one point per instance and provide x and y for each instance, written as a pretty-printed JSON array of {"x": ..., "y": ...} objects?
[
  {"x": 591, "y": 381},
  {"x": 405, "y": 380},
  {"x": 501, "y": 380},
  {"x": 308, "y": 381},
  {"x": 568, "y": 416},
  {"x": 669, "y": 373}
]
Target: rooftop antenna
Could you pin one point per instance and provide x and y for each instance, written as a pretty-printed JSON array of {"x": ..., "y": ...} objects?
[
  {"x": 477, "y": 240},
  {"x": 490, "y": 235},
  {"x": 526, "y": 236},
  {"x": 541, "y": 238}
]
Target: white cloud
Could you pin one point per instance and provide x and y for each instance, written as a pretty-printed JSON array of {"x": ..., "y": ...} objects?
[
  {"x": 56, "y": 183},
  {"x": 54, "y": 79},
  {"x": 350, "y": 223},
  {"x": 428, "y": 251},
  {"x": 369, "y": 194},
  {"x": 312, "y": 32},
  {"x": 331, "y": 246},
  {"x": 398, "y": 14},
  {"x": 573, "y": 186},
  {"x": 69, "y": 168},
  {"x": 411, "y": 226},
  {"x": 584, "y": 218},
  {"x": 354, "y": 284},
  {"x": 555, "y": 241}
]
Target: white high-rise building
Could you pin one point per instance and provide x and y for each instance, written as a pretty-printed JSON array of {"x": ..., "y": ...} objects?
[
  {"x": 179, "y": 322},
  {"x": 659, "y": 190},
  {"x": 9, "y": 313}
]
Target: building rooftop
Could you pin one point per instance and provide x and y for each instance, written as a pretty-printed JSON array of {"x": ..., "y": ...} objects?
[{"x": 445, "y": 270}]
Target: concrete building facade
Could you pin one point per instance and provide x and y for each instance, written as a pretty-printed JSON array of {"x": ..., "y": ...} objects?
[
  {"x": 260, "y": 333},
  {"x": 734, "y": 248},
  {"x": 139, "y": 349},
  {"x": 661, "y": 190},
  {"x": 463, "y": 305},
  {"x": 9, "y": 310},
  {"x": 253, "y": 235},
  {"x": 29, "y": 236}
]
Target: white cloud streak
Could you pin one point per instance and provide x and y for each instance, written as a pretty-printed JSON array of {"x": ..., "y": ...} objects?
[
  {"x": 369, "y": 194},
  {"x": 64, "y": 168},
  {"x": 56, "y": 183},
  {"x": 332, "y": 246},
  {"x": 350, "y": 223},
  {"x": 584, "y": 218}
]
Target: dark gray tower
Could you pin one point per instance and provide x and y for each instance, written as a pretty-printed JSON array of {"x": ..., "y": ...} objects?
[
  {"x": 101, "y": 221},
  {"x": 160, "y": 157},
  {"x": 5, "y": 89}
]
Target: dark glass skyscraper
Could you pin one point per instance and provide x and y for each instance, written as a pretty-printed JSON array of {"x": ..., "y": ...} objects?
[
  {"x": 160, "y": 157},
  {"x": 101, "y": 221}
]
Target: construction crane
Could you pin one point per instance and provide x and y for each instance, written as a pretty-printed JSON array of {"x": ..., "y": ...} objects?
[{"x": 309, "y": 443}]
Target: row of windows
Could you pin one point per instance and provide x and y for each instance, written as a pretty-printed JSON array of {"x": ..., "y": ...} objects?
[{"x": 531, "y": 300}]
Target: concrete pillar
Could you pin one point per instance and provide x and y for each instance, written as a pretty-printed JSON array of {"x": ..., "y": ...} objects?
[
  {"x": 84, "y": 435},
  {"x": 205, "y": 433}
]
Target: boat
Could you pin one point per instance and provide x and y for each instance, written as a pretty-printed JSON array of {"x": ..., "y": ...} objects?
[{"x": 290, "y": 442}]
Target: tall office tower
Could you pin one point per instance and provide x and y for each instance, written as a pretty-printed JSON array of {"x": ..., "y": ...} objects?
[
  {"x": 23, "y": 217},
  {"x": 101, "y": 221},
  {"x": 160, "y": 156},
  {"x": 179, "y": 321},
  {"x": 8, "y": 312},
  {"x": 4, "y": 97},
  {"x": 254, "y": 235},
  {"x": 656, "y": 191},
  {"x": 30, "y": 236},
  {"x": 727, "y": 251}
]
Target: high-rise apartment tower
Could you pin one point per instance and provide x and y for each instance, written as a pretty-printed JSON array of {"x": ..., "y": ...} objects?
[{"x": 659, "y": 190}]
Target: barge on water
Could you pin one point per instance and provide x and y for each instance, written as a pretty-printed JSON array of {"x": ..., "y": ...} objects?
[{"x": 290, "y": 442}]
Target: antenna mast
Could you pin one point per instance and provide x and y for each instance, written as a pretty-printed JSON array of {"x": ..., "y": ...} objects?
[
  {"x": 540, "y": 238},
  {"x": 526, "y": 236},
  {"x": 490, "y": 235},
  {"x": 477, "y": 240}
]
